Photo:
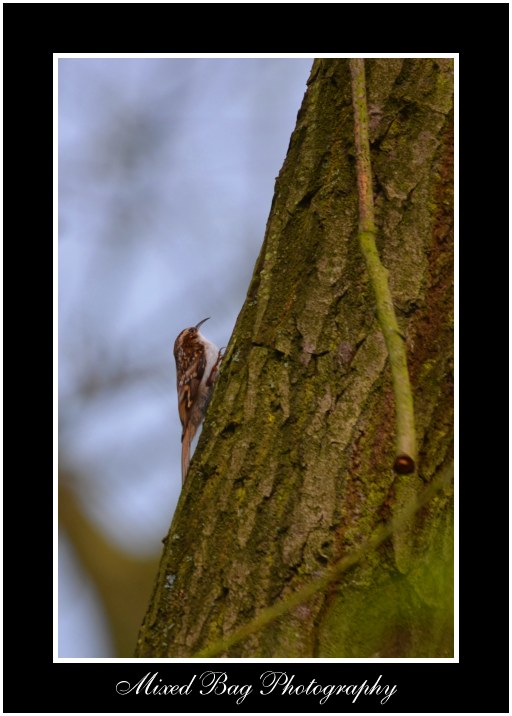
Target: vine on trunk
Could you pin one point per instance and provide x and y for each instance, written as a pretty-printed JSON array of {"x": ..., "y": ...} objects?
[{"x": 405, "y": 460}]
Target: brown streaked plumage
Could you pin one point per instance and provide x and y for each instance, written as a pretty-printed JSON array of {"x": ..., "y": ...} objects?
[{"x": 197, "y": 362}]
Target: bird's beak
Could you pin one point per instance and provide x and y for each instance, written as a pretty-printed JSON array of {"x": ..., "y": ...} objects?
[{"x": 201, "y": 322}]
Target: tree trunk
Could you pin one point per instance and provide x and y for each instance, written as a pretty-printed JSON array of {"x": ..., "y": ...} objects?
[
  {"x": 294, "y": 467},
  {"x": 122, "y": 581}
]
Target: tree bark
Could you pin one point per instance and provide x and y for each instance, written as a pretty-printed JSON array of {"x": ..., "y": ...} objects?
[{"x": 293, "y": 470}]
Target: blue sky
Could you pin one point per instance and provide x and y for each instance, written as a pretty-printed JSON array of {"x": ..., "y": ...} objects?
[{"x": 166, "y": 176}]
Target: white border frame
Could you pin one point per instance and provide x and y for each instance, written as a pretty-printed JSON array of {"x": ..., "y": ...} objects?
[{"x": 368, "y": 55}]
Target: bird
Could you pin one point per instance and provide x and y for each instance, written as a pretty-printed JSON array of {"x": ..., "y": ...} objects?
[{"x": 197, "y": 364}]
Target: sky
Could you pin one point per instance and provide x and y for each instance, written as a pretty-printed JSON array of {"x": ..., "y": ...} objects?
[{"x": 165, "y": 179}]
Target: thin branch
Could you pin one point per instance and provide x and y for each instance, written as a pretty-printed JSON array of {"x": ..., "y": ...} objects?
[
  {"x": 405, "y": 431},
  {"x": 270, "y": 614}
]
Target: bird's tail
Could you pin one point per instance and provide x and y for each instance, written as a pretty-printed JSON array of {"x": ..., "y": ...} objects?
[{"x": 185, "y": 454}]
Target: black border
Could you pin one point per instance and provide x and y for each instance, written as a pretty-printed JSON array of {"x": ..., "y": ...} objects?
[{"x": 32, "y": 683}]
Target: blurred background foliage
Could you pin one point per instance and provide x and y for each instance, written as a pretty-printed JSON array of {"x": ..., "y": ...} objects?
[{"x": 166, "y": 176}]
